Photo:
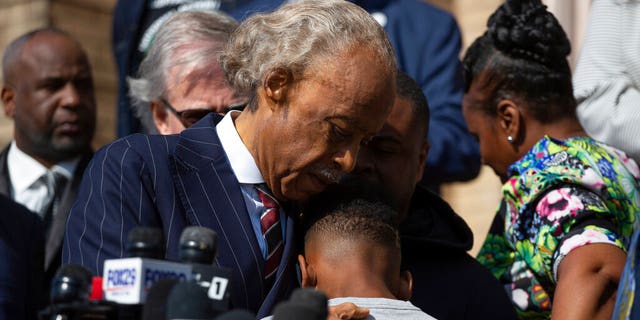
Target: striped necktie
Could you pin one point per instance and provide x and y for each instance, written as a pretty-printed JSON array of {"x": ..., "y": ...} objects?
[
  {"x": 56, "y": 183},
  {"x": 271, "y": 231}
]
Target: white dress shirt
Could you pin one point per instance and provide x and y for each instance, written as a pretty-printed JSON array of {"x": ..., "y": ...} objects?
[
  {"x": 27, "y": 185},
  {"x": 246, "y": 171}
]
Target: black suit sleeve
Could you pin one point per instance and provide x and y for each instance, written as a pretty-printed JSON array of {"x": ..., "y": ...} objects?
[{"x": 21, "y": 261}]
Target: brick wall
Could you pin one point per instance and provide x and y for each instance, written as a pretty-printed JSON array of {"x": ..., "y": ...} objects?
[
  {"x": 16, "y": 18},
  {"x": 90, "y": 22}
]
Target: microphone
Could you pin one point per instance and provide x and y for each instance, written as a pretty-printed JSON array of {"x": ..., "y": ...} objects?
[
  {"x": 96, "y": 289},
  {"x": 145, "y": 242},
  {"x": 198, "y": 247},
  {"x": 126, "y": 281},
  {"x": 70, "y": 291},
  {"x": 189, "y": 300},
  {"x": 305, "y": 303},
  {"x": 236, "y": 315},
  {"x": 71, "y": 283},
  {"x": 155, "y": 306}
]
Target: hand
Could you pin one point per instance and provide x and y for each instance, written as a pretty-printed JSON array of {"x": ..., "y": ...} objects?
[{"x": 347, "y": 310}]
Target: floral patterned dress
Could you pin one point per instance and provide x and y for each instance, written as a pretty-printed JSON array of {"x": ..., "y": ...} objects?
[{"x": 561, "y": 195}]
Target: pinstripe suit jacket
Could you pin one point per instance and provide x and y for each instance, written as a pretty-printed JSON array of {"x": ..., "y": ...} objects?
[{"x": 171, "y": 182}]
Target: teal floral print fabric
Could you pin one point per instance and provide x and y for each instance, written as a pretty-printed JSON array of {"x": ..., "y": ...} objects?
[{"x": 560, "y": 196}]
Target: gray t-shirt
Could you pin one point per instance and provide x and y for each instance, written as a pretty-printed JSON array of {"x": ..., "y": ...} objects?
[{"x": 385, "y": 309}]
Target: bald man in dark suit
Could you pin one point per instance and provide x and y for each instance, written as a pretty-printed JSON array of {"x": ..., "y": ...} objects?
[{"x": 48, "y": 91}]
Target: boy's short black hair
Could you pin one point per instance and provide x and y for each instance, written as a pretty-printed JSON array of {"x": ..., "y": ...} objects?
[
  {"x": 361, "y": 220},
  {"x": 337, "y": 195}
]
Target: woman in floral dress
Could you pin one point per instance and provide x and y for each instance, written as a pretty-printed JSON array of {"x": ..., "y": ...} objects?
[{"x": 570, "y": 204}]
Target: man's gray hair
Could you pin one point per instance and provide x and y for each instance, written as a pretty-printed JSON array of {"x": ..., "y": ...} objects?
[
  {"x": 190, "y": 40},
  {"x": 297, "y": 36}
]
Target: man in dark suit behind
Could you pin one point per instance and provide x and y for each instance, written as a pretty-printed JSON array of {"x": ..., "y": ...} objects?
[
  {"x": 448, "y": 282},
  {"x": 321, "y": 76},
  {"x": 48, "y": 92},
  {"x": 21, "y": 253}
]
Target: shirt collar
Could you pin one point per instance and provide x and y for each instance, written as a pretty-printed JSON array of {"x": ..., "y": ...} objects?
[
  {"x": 24, "y": 170},
  {"x": 242, "y": 163}
]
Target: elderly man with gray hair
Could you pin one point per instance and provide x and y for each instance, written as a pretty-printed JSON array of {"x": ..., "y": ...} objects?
[
  {"x": 321, "y": 80},
  {"x": 180, "y": 80}
]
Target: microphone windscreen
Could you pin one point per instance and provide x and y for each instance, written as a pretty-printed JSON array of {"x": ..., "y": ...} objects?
[
  {"x": 236, "y": 315},
  {"x": 305, "y": 303},
  {"x": 145, "y": 242},
  {"x": 71, "y": 283},
  {"x": 188, "y": 300},
  {"x": 198, "y": 245},
  {"x": 155, "y": 306},
  {"x": 310, "y": 297}
]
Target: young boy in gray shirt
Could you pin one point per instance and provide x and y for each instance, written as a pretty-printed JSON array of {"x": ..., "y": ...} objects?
[{"x": 352, "y": 254}]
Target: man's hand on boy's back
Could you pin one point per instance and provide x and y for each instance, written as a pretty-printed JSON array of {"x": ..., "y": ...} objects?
[{"x": 347, "y": 310}]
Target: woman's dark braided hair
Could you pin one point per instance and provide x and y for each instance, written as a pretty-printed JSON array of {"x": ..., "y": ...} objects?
[{"x": 523, "y": 54}]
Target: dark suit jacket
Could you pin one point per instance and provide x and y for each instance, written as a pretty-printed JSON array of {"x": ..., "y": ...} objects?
[
  {"x": 172, "y": 182},
  {"x": 53, "y": 244},
  {"x": 448, "y": 282},
  {"x": 427, "y": 42},
  {"x": 21, "y": 266}
]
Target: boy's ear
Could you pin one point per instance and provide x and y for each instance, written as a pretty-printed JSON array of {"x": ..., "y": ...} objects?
[
  {"x": 405, "y": 289},
  {"x": 308, "y": 277}
]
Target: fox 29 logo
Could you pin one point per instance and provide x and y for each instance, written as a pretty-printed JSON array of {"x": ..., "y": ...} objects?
[{"x": 121, "y": 277}]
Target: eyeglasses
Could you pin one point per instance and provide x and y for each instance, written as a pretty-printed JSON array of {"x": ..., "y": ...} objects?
[{"x": 190, "y": 116}]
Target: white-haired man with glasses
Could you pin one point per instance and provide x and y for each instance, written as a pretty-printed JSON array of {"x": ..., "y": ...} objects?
[{"x": 180, "y": 80}]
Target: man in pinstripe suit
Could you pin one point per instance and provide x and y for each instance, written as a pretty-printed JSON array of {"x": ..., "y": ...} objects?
[{"x": 322, "y": 78}]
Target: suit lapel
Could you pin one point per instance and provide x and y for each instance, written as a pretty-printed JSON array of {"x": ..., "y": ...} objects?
[
  {"x": 56, "y": 231},
  {"x": 211, "y": 196},
  {"x": 4, "y": 173}
]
